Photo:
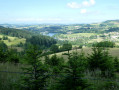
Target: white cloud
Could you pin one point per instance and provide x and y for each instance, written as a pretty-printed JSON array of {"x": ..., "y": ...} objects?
[
  {"x": 92, "y": 2},
  {"x": 85, "y": 3},
  {"x": 74, "y": 5},
  {"x": 83, "y": 11},
  {"x": 81, "y": 5}
]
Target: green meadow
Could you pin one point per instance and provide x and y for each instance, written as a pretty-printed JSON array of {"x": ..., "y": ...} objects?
[{"x": 13, "y": 40}]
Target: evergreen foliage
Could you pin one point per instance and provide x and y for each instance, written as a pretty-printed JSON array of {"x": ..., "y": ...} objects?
[
  {"x": 105, "y": 44},
  {"x": 5, "y": 38},
  {"x": 116, "y": 64},
  {"x": 100, "y": 59},
  {"x": 37, "y": 71},
  {"x": 66, "y": 47},
  {"x": 41, "y": 41},
  {"x": 74, "y": 74},
  {"x": 15, "y": 32},
  {"x": 13, "y": 56},
  {"x": 3, "y": 52},
  {"x": 54, "y": 48}
]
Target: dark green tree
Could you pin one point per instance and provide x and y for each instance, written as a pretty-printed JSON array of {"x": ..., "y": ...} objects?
[
  {"x": 13, "y": 56},
  {"x": 56, "y": 67},
  {"x": 116, "y": 64},
  {"x": 41, "y": 41},
  {"x": 66, "y": 47},
  {"x": 56, "y": 64},
  {"x": 54, "y": 48},
  {"x": 100, "y": 59},
  {"x": 74, "y": 73},
  {"x": 36, "y": 70},
  {"x": 3, "y": 52},
  {"x": 3, "y": 46},
  {"x": 5, "y": 38},
  {"x": 105, "y": 44},
  {"x": 109, "y": 85}
]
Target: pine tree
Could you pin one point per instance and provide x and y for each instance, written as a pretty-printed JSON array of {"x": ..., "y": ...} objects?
[
  {"x": 56, "y": 66},
  {"x": 116, "y": 64},
  {"x": 67, "y": 47},
  {"x": 54, "y": 48},
  {"x": 3, "y": 52},
  {"x": 73, "y": 78},
  {"x": 100, "y": 59},
  {"x": 36, "y": 71}
]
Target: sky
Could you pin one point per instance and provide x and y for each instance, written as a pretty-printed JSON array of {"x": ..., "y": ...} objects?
[{"x": 58, "y": 11}]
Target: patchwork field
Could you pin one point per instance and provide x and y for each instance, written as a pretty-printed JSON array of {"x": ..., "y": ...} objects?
[{"x": 78, "y": 35}]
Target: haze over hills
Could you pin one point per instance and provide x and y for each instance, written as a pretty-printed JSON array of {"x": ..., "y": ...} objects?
[{"x": 64, "y": 28}]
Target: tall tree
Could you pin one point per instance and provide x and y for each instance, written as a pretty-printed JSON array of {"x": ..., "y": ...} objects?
[
  {"x": 67, "y": 47},
  {"x": 73, "y": 79},
  {"x": 100, "y": 59},
  {"x": 54, "y": 48},
  {"x": 36, "y": 78},
  {"x": 3, "y": 52},
  {"x": 56, "y": 66}
]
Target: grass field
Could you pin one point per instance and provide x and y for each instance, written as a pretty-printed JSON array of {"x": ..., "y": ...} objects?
[
  {"x": 7, "y": 79},
  {"x": 13, "y": 40},
  {"x": 95, "y": 40},
  {"x": 112, "y": 51},
  {"x": 78, "y": 35}
]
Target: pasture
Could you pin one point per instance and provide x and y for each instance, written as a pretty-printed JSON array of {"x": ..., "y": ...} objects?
[
  {"x": 12, "y": 40},
  {"x": 87, "y": 51},
  {"x": 78, "y": 35}
]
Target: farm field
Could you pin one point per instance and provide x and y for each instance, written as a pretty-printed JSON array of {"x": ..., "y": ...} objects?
[{"x": 78, "y": 34}]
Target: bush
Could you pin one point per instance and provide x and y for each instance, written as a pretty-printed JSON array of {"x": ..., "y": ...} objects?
[{"x": 5, "y": 38}]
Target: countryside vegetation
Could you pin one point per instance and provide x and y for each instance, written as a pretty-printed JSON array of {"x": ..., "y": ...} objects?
[{"x": 60, "y": 57}]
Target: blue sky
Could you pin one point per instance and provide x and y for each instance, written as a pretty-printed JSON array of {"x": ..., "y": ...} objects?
[{"x": 58, "y": 11}]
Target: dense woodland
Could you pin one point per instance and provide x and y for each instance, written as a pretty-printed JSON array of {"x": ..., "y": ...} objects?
[{"x": 14, "y": 32}]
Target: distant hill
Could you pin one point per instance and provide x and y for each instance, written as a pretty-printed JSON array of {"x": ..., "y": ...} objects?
[
  {"x": 63, "y": 29},
  {"x": 111, "y": 21},
  {"x": 18, "y": 36},
  {"x": 1, "y": 27},
  {"x": 15, "y": 32}
]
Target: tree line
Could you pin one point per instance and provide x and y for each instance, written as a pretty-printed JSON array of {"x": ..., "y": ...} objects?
[
  {"x": 105, "y": 44},
  {"x": 55, "y": 73},
  {"x": 15, "y": 32}
]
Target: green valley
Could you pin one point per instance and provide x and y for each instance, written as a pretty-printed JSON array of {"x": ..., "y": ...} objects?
[{"x": 59, "y": 56}]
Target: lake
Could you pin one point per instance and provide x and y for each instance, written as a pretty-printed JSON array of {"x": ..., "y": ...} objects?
[{"x": 51, "y": 34}]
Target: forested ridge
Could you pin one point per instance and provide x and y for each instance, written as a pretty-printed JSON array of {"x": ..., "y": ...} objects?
[
  {"x": 31, "y": 38},
  {"x": 15, "y": 32}
]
